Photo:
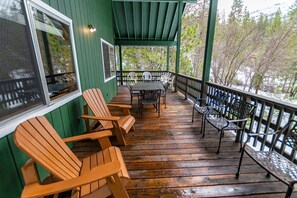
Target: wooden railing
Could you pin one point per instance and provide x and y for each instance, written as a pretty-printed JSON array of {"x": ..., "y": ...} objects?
[
  {"x": 122, "y": 80},
  {"x": 269, "y": 116}
]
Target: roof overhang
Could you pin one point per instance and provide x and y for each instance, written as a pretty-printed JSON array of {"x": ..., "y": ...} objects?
[{"x": 146, "y": 22}]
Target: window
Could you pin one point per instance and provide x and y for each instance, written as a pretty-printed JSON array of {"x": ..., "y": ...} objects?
[
  {"x": 19, "y": 80},
  {"x": 38, "y": 67},
  {"x": 56, "y": 52},
  {"x": 108, "y": 60}
]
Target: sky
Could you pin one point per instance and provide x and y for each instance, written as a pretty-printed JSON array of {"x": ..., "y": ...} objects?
[{"x": 257, "y": 6}]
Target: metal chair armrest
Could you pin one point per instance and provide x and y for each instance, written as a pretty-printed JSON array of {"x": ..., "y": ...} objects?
[
  {"x": 258, "y": 134},
  {"x": 239, "y": 120}
]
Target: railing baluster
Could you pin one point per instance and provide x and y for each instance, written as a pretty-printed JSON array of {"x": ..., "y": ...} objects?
[{"x": 267, "y": 126}]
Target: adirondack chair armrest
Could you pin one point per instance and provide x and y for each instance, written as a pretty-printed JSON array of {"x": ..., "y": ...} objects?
[
  {"x": 109, "y": 118},
  {"x": 122, "y": 106},
  {"x": 89, "y": 136},
  {"x": 97, "y": 173}
]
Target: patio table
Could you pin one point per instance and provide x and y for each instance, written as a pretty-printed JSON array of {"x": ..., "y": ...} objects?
[{"x": 147, "y": 86}]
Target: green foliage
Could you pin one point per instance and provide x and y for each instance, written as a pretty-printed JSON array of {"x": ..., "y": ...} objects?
[{"x": 144, "y": 58}]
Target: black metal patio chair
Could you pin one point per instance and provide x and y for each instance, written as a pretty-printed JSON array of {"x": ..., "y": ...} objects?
[
  {"x": 133, "y": 93},
  {"x": 240, "y": 111},
  {"x": 272, "y": 161},
  {"x": 149, "y": 97},
  {"x": 215, "y": 106}
]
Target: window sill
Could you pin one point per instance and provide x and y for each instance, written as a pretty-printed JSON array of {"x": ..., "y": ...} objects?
[{"x": 9, "y": 126}]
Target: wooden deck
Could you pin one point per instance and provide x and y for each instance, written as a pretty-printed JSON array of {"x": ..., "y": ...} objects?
[{"x": 166, "y": 157}]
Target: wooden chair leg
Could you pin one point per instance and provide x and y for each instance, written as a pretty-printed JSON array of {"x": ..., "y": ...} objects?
[
  {"x": 193, "y": 114},
  {"x": 117, "y": 187},
  {"x": 120, "y": 137}
]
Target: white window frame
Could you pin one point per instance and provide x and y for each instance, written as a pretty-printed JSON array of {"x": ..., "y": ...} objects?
[
  {"x": 9, "y": 125},
  {"x": 114, "y": 63}
]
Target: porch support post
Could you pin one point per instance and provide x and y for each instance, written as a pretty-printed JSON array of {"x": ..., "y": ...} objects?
[
  {"x": 180, "y": 7},
  {"x": 168, "y": 60},
  {"x": 121, "y": 64},
  {"x": 209, "y": 45}
]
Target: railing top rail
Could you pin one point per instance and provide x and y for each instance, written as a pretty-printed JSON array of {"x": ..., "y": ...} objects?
[
  {"x": 189, "y": 77},
  {"x": 252, "y": 95}
]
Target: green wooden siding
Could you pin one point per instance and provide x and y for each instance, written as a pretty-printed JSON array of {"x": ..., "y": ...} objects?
[{"x": 66, "y": 118}]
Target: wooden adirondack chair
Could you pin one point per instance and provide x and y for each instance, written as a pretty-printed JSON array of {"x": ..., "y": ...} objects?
[
  {"x": 95, "y": 176},
  {"x": 118, "y": 125}
]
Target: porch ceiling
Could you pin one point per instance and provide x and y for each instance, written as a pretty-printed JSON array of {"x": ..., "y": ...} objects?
[{"x": 146, "y": 22}]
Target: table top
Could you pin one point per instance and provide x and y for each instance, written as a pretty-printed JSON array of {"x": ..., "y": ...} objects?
[{"x": 147, "y": 86}]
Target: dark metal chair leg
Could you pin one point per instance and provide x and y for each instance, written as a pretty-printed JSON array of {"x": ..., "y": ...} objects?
[
  {"x": 268, "y": 175},
  {"x": 221, "y": 135},
  {"x": 240, "y": 161},
  {"x": 203, "y": 123},
  {"x": 193, "y": 114},
  {"x": 289, "y": 192}
]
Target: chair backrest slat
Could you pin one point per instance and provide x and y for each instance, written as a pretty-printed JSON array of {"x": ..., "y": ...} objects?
[
  {"x": 41, "y": 142},
  {"x": 150, "y": 95},
  {"x": 97, "y": 104}
]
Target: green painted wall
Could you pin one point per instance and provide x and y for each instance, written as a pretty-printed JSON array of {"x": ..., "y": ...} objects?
[{"x": 66, "y": 118}]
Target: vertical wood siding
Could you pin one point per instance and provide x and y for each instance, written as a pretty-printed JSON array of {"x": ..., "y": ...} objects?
[{"x": 66, "y": 118}]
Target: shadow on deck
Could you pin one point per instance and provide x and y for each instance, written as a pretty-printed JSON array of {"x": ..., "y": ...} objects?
[{"x": 166, "y": 157}]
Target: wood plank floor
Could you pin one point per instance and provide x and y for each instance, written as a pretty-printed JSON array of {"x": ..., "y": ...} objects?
[{"x": 166, "y": 157}]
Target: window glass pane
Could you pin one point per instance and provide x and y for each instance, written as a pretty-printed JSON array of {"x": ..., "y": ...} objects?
[
  {"x": 56, "y": 52},
  {"x": 108, "y": 60},
  {"x": 111, "y": 60},
  {"x": 19, "y": 82}
]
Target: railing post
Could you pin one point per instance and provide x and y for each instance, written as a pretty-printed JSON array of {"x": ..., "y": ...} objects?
[
  {"x": 209, "y": 45},
  {"x": 168, "y": 59},
  {"x": 186, "y": 89},
  {"x": 121, "y": 64},
  {"x": 179, "y": 28}
]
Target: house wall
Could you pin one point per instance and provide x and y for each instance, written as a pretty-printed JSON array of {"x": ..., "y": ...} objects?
[{"x": 66, "y": 118}]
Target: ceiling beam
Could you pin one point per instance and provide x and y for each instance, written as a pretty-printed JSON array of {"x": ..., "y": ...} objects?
[
  {"x": 142, "y": 20},
  {"x": 149, "y": 24},
  {"x": 134, "y": 20},
  {"x": 115, "y": 20},
  {"x": 155, "y": 1},
  {"x": 172, "y": 22},
  {"x": 125, "y": 13},
  {"x": 165, "y": 21},
  {"x": 159, "y": 10},
  {"x": 144, "y": 43}
]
